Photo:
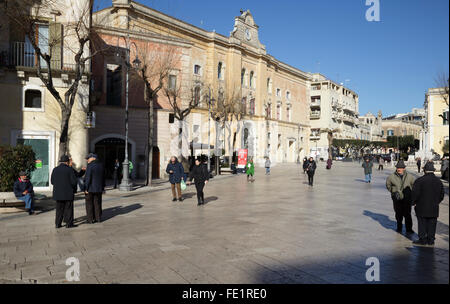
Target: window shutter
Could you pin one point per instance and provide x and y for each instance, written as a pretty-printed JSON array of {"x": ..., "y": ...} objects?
[{"x": 55, "y": 45}]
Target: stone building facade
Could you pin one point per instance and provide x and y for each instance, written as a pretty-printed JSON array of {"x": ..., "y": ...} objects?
[
  {"x": 374, "y": 124},
  {"x": 332, "y": 107},
  {"x": 436, "y": 123},
  {"x": 275, "y": 95},
  {"x": 30, "y": 114}
]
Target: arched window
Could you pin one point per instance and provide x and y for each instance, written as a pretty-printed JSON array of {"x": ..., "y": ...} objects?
[
  {"x": 245, "y": 138},
  {"x": 197, "y": 95},
  {"x": 252, "y": 106},
  {"x": 269, "y": 86},
  {"x": 243, "y": 77},
  {"x": 252, "y": 80}
]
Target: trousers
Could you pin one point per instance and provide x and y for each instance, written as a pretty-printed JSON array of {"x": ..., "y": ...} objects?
[
  {"x": 427, "y": 228},
  {"x": 310, "y": 178},
  {"x": 178, "y": 189},
  {"x": 29, "y": 201},
  {"x": 199, "y": 187},
  {"x": 402, "y": 210},
  {"x": 94, "y": 207},
  {"x": 64, "y": 210}
]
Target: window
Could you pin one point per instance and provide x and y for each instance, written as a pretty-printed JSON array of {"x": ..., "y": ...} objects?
[
  {"x": 278, "y": 112},
  {"x": 445, "y": 118},
  {"x": 269, "y": 86},
  {"x": 382, "y": 132},
  {"x": 197, "y": 95},
  {"x": 171, "y": 118},
  {"x": 288, "y": 95},
  {"x": 114, "y": 85},
  {"x": 172, "y": 82},
  {"x": 288, "y": 114},
  {"x": 252, "y": 106},
  {"x": 278, "y": 92},
  {"x": 269, "y": 110},
  {"x": 33, "y": 99},
  {"x": 390, "y": 132},
  {"x": 197, "y": 69},
  {"x": 243, "y": 77},
  {"x": 219, "y": 71},
  {"x": 244, "y": 105},
  {"x": 252, "y": 80}
]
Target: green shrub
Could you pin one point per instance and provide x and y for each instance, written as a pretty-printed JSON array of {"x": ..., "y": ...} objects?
[
  {"x": 404, "y": 156},
  {"x": 12, "y": 161}
]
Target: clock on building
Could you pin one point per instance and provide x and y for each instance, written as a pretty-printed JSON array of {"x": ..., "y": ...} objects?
[{"x": 248, "y": 35}]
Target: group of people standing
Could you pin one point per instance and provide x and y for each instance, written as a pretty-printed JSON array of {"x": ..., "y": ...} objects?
[{"x": 65, "y": 180}]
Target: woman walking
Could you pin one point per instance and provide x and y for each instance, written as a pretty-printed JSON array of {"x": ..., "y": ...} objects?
[
  {"x": 267, "y": 165},
  {"x": 310, "y": 170},
  {"x": 176, "y": 173},
  {"x": 200, "y": 175},
  {"x": 250, "y": 170},
  {"x": 329, "y": 163}
]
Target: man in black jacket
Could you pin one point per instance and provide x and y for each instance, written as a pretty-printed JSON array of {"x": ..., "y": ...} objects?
[
  {"x": 23, "y": 190},
  {"x": 310, "y": 170},
  {"x": 94, "y": 184},
  {"x": 201, "y": 177},
  {"x": 64, "y": 184},
  {"x": 427, "y": 193}
]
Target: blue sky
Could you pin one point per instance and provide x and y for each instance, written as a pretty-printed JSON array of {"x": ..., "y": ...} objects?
[{"x": 390, "y": 63}]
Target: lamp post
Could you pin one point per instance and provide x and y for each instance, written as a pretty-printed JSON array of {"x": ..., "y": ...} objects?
[
  {"x": 125, "y": 185},
  {"x": 209, "y": 129}
]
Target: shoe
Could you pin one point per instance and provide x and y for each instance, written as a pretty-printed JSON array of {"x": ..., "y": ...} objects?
[
  {"x": 71, "y": 226},
  {"x": 181, "y": 199},
  {"x": 31, "y": 213},
  {"x": 420, "y": 242},
  {"x": 399, "y": 230},
  {"x": 174, "y": 200},
  {"x": 430, "y": 243},
  {"x": 410, "y": 231},
  {"x": 58, "y": 226}
]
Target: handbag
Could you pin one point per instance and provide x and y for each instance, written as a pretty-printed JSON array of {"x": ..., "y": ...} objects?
[{"x": 183, "y": 185}]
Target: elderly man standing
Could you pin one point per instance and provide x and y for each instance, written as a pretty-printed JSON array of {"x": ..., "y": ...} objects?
[
  {"x": 23, "y": 190},
  {"x": 94, "y": 186},
  {"x": 400, "y": 184},
  {"x": 64, "y": 184},
  {"x": 427, "y": 194}
]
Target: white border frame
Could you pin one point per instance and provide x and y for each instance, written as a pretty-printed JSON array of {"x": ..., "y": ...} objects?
[{"x": 32, "y": 86}]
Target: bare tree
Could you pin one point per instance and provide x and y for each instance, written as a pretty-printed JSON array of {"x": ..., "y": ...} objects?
[
  {"x": 442, "y": 83},
  {"x": 156, "y": 61},
  {"x": 174, "y": 94},
  {"x": 73, "y": 39}
]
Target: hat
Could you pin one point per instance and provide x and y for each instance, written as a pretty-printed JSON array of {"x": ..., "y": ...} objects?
[
  {"x": 91, "y": 155},
  {"x": 64, "y": 159},
  {"x": 429, "y": 167},
  {"x": 22, "y": 173},
  {"x": 400, "y": 164}
]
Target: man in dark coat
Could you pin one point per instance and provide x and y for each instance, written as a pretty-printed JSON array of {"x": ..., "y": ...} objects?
[
  {"x": 64, "y": 184},
  {"x": 94, "y": 187},
  {"x": 310, "y": 170},
  {"x": 116, "y": 173},
  {"x": 23, "y": 190},
  {"x": 176, "y": 173},
  {"x": 428, "y": 192},
  {"x": 200, "y": 176}
]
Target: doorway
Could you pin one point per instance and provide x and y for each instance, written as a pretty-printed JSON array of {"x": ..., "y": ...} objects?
[
  {"x": 110, "y": 149},
  {"x": 155, "y": 163}
]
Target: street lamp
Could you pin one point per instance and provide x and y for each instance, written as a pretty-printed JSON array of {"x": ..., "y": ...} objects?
[
  {"x": 210, "y": 101},
  {"x": 125, "y": 185}
]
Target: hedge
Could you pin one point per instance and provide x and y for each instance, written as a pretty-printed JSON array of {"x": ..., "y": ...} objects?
[{"x": 12, "y": 161}]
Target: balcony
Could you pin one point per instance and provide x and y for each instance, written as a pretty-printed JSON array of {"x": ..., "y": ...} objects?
[
  {"x": 23, "y": 55},
  {"x": 314, "y": 137},
  {"x": 315, "y": 103},
  {"x": 314, "y": 115}
]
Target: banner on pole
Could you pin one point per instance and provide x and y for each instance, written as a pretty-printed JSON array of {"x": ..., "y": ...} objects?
[{"x": 242, "y": 158}]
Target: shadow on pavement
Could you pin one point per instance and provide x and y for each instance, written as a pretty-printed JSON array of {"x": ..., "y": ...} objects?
[
  {"x": 384, "y": 221},
  {"x": 210, "y": 199},
  {"x": 189, "y": 195},
  {"x": 119, "y": 210}
]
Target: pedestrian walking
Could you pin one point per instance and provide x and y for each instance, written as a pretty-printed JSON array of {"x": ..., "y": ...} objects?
[
  {"x": 444, "y": 168},
  {"x": 367, "y": 165},
  {"x": 381, "y": 163},
  {"x": 116, "y": 172},
  {"x": 311, "y": 170},
  {"x": 329, "y": 163},
  {"x": 250, "y": 170},
  {"x": 94, "y": 188},
  {"x": 305, "y": 165},
  {"x": 200, "y": 175},
  {"x": 427, "y": 194},
  {"x": 64, "y": 183},
  {"x": 400, "y": 185},
  {"x": 23, "y": 190},
  {"x": 267, "y": 165},
  {"x": 176, "y": 173},
  {"x": 419, "y": 163}
]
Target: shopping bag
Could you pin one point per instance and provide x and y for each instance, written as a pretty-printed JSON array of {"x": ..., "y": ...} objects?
[{"x": 183, "y": 185}]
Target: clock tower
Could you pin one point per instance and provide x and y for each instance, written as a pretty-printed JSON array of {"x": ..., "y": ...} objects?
[{"x": 246, "y": 30}]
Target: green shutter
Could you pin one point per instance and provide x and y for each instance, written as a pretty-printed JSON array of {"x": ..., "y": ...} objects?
[{"x": 55, "y": 44}]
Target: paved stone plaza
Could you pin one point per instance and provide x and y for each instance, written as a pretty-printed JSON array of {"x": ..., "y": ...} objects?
[{"x": 275, "y": 230}]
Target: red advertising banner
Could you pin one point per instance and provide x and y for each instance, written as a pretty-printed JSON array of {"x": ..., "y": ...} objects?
[{"x": 242, "y": 158}]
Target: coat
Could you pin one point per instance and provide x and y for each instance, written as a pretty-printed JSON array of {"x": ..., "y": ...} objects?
[
  {"x": 250, "y": 168},
  {"x": 394, "y": 183},
  {"x": 305, "y": 164},
  {"x": 199, "y": 174},
  {"x": 20, "y": 186},
  {"x": 428, "y": 192},
  {"x": 311, "y": 167},
  {"x": 367, "y": 167},
  {"x": 178, "y": 172},
  {"x": 267, "y": 163},
  {"x": 94, "y": 180},
  {"x": 64, "y": 183}
]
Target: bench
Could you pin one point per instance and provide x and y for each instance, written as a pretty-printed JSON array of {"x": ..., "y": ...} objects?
[{"x": 9, "y": 200}]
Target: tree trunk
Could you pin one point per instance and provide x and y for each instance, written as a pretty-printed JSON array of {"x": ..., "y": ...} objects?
[
  {"x": 150, "y": 143},
  {"x": 330, "y": 143},
  {"x": 64, "y": 137}
]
